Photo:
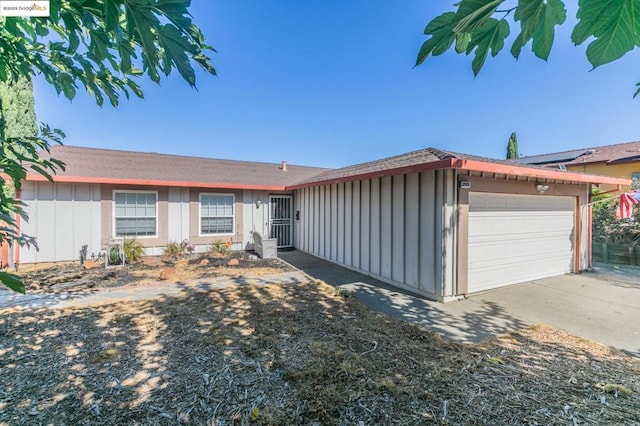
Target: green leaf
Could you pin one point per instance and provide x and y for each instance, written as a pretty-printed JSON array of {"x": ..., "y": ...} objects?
[
  {"x": 441, "y": 31},
  {"x": 490, "y": 37},
  {"x": 473, "y": 14},
  {"x": 13, "y": 282},
  {"x": 175, "y": 10},
  {"x": 175, "y": 47},
  {"x": 538, "y": 19},
  {"x": 615, "y": 25},
  {"x": 68, "y": 86},
  {"x": 111, "y": 15},
  {"x": 462, "y": 42}
]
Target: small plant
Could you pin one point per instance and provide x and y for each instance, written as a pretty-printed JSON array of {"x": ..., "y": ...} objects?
[
  {"x": 189, "y": 247},
  {"x": 173, "y": 249},
  {"x": 176, "y": 250},
  {"x": 114, "y": 256},
  {"x": 220, "y": 247},
  {"x": 133, "y": 250},
  {"x": 344, "y": 293}
]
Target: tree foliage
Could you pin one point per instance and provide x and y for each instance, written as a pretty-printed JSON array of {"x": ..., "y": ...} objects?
[
  {"x": 608, "y": 229},
  {"x": 17, "y": 109},
  {"x": 512, "y": 147},
  {"x": 104, "y": 45},
  {"x": 17, "y": 132},
  {"x": 612, "y": 28},
  {"x": 101, "y": 46}
]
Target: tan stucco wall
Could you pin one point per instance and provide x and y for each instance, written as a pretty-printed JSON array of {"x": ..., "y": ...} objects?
[
  {"x": 623, "y": 170},
  {"x": 481, "y": 184},
  {"x": 194, "y": 217},
  {"x": 107, "y": 214}
]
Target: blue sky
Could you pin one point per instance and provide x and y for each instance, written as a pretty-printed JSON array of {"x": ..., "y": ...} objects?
[{"x": 331, "y": 83}]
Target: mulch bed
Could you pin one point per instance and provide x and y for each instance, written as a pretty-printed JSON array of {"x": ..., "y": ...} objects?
[
  {"x": 72, "y": 276},
  {"x": 295, "y": 354}
]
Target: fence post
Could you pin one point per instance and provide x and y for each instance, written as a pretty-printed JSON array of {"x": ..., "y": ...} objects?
[{"x": 605, "y": 253}]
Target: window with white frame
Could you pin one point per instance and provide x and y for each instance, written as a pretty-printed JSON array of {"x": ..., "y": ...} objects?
[
  {"x": 635, "y": 180},
  {"x": 216, "y": 214},
  {"x": 135, "y": 213}
]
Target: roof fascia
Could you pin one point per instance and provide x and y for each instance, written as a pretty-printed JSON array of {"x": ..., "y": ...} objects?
[
  {"x": 149, "y": 182},
  {"x": 416, "y": 168},
  {"x": 508, "y": 169}
]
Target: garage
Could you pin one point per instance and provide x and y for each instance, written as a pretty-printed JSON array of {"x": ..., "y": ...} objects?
[{"x": 517, "y": 238}]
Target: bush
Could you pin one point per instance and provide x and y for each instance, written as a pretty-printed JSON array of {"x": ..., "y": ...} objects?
[
  {"x": 174, "y": 249},
  {"x": 133, "y": 250},
  {"x": 609, "y": 229},
  {"x": 221, "y": 247}
]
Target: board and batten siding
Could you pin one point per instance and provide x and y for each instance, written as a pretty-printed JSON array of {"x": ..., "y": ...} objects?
[
  {"x": 392, "y": 228},
  {"x": 178, "y": 213},
  {"x": 63, "y": 217},
  {"x": 256, "y": 218}
]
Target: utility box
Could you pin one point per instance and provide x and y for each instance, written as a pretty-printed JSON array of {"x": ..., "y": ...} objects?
[{"x": 266, "y": 248}]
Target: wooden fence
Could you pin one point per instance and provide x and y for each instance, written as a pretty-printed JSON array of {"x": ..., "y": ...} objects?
[{"x": 617, "y": 254}]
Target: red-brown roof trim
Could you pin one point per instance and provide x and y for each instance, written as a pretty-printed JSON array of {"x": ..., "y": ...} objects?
[
  {"x": 508, "y": 169},
  {"x": 415, "y": 168},
  {"x": 473, "y": 165},
  {"x": 183, "y": 184}
]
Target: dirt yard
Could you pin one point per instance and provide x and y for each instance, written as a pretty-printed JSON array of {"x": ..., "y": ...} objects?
[
  {"x": 294, "y": 354},
  {"x": 71, "y": 276}
]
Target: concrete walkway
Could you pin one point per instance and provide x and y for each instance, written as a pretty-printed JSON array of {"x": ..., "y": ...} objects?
[
  {"x": 603, "y": 306},
  {"x": 9, "y": 299}
]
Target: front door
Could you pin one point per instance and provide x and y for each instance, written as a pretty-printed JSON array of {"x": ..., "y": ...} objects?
[{"x": 281, "y": 219}]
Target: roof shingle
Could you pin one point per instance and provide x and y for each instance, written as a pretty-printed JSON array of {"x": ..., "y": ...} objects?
[
  {"x": 628, "y": 151},
  {"x": 143, "y": 166},
  {"x": 125, "y": 167}
]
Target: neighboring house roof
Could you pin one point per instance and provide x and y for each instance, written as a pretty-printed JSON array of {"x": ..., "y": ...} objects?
[
  {"x": 432, "y": 159},
  {"x": 92, "y": 165},
  {"x": 609, "y": 154}
]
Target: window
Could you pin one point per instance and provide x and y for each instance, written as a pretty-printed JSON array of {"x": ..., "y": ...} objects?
[
  {"x": 216, "y": 214},
  {"x": 135, "y": 214},
  {"x": 635, "y": 180}
]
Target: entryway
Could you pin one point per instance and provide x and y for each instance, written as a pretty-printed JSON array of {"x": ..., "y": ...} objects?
[{"x": 281, "y": 219}]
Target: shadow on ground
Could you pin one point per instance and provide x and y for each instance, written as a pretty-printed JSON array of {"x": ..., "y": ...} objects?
[
  {"x": 464, "y": 324},
  {"x": 301, "y": 353}
]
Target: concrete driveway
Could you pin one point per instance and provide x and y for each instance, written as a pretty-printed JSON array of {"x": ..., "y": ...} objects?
[
  {"x": 600, "y": 306},
  {"x": 603, "y": 306}
]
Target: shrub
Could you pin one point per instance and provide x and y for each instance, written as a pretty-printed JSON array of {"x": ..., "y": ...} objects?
[
  {"x": 114, "y": 256},
  {"x": 221, "y": 247},
  {"x": 608, "y": 229},
  {"x": 174, "y": 249},
  {"x": 133, "y": 250}
]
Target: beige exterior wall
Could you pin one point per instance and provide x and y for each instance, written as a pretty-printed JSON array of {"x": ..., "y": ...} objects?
[
  {"x": 623, "y": 170},
  {"x": 389, "y": 228},
  {"x": 503, "y": 186},
  {"x": 194, "y": 218},
  {"x": 411, "y": 230},
  {"x": 108, "y": 217},
  {"x": 65, "y": 216}
]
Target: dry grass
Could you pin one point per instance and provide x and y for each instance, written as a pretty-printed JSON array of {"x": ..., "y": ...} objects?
[
  {"x": 63, "y": 277},
  {"x": 296, "y": 354}
]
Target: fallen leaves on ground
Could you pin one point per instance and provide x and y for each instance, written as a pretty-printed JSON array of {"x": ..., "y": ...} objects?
[{"x": 294, "y": 354}]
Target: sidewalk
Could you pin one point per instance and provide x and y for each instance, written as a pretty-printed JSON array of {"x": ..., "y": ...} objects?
[{"x": 10, "y": 299}]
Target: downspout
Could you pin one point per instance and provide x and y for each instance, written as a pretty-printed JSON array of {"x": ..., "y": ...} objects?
[
  {"x": 4, "y": 254},
  {"x": 590, "y": 228},
  {"x": 16, "y": 257}
]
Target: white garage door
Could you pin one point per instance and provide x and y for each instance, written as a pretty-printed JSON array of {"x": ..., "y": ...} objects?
[{"x": 517, "y": 238}]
